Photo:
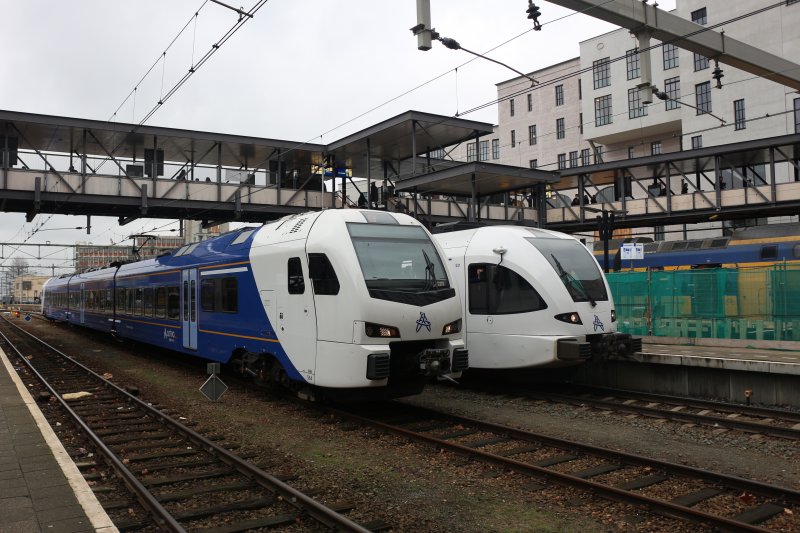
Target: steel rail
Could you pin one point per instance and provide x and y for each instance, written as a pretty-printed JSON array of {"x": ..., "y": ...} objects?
[
  {"x": 292, "y": 496},
  {"x": 693, "y": 418},
  {"x": 607, "y": 491}
]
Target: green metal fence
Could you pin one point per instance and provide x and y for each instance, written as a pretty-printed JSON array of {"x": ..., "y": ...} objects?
[{"x": 722, "y": 303}]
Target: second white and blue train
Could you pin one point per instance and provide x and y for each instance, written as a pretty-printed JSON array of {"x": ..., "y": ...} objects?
[
  {"x": 532, "y": 298},
  {"x": 348, "y": 303}
]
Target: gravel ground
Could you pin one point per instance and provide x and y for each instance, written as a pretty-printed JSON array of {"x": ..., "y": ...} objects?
[{"x": 416, "y": 488}]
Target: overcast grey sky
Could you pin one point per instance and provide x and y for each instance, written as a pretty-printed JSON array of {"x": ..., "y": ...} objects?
[{"x": 299, "y": 70}]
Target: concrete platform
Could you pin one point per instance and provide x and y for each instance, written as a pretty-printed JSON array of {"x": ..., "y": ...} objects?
[
  {"x": 41, "y": 489},
  {"x": 727, "y": 371}
]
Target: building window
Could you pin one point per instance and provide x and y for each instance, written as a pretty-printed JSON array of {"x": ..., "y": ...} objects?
[
  {"x": 655, "y": 147},
  {"x": 602, "y": 110},
  {"x": 702, "y": 95},
  {"x": 672, "y": 87},
  {"x": 601, "y": 73},
  {"x": 560, "y": 132},
  {"x": 632, "y": 63},
  {"x": 670, "y": 54},
  {"x": 562, "y": 161},
  {"x": 738, "y": 114},
  {"x": 483, "y": 151},
  {"x": 598, "y": 154},
  {"x": 580, "y": 90},
  {"x": 530, "y": 102},
  {"x": 495, "y": 148},
  {"x": 534, "y": 163},
  {"x": 437, "y": 154},
  {"x": 700, "y": 16},
  {"x": 697, "y": 142},
  {"x": 700, "y": 62},
  {"x": 471, "y": 152},
  {"x": 532, "y": 134},
  {"x": 559, "y": 95},
  {"x": 573, "y": 159},
  {"x": 512, "y": 107},
  {"x": 635, "y": 107},
  {"x": 585, "y": 157},
  {"x": 513, "y": 138},
  {"x": 631, "y": 152},
  {"x": 580, "y": 123}
]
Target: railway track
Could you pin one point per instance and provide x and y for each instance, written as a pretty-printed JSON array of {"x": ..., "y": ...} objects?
[
  {"x": 750, "y": 419},
  {"x": 182, "y": 480},
  {"x": 714, "y": 500}
]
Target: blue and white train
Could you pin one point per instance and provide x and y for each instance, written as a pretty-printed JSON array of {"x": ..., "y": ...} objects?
[
  {"x": 347, "y": 303},
  {"x": 532, "y": 298}
]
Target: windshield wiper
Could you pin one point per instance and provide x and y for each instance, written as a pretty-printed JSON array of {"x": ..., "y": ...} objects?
[
  {"x": 430, "y": 272},
  {"x": 566, "y": 277}
]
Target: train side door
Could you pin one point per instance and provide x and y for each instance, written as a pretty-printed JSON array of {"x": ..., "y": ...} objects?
[
  {"x": 189, "y": 307},
  {"x": 82, "y": 301},
  {"x": 296, "y": 325}
]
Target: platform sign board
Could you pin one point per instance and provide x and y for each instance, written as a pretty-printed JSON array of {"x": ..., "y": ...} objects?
[
  {"x": 213, "y": 388},
  {"x": 632, "y": 250}
]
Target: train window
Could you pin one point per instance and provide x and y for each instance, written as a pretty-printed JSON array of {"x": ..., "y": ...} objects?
[
  {"x": 120, "y": 300},
  {"x": 497, "y": 290},
  {"x": 148, "y": 301},
  {"x": 185, "y": 315},
  {"x": 243, "y": 236},
  {"x": 139, "y": 301},
  {"x": 229, "y": 289},
  {"x": 207, "y": 288},
  {"x": 296, "y": 282},
  {"x": 131, "y": 305},
  {"x": 575, "y": 266},
  {"x": 109, "y": 300},
  {"x": 769, "y": 252},
  {"x": 322, "y": 274},
  {"x": 161, "y": 302},
  {"x": 193, "y": 300},
  {"x": 796, "y": 251},
  {"x": 173, "y": 302}
]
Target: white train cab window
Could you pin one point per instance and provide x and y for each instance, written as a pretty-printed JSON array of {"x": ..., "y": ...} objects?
[
  {"x": 497, "y": 290},
  {"x": 322, "y": 275},
  {"x": 295, "y": 281}
]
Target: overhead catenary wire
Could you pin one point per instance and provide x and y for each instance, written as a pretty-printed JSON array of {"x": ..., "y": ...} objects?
[{"x": 472, "y": 59}]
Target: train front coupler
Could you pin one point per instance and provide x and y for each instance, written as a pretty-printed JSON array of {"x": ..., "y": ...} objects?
[
  {"x": 434, "y": 362},
  {"x": 615, "y": 344}
]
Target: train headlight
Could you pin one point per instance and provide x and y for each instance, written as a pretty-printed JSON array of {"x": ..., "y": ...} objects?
[
  {"x": 613, "y": 315},
  {"x": 378, "y": 330},
  {"x": 569, "y": 318},
  {"x": 452, "y": 327}
]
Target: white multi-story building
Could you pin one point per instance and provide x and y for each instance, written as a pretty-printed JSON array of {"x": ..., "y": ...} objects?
[{"x": 588, "y": 109}]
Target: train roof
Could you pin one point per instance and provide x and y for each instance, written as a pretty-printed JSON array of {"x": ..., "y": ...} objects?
[{"x": 460, "y": 238}]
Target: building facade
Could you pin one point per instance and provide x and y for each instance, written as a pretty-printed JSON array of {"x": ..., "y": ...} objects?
[
  {"x": 27, "y": 288},
  {"x": 589, "y": 109}
]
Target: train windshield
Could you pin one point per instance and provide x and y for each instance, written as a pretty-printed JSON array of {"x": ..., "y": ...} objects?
[
  {"x": 397, "y": 258},
  {"x": 576, "y": 268}
]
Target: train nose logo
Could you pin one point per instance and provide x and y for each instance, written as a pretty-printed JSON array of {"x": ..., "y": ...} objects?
[
  {"x": 597, "y": 323},
  {"x": 423, "y": 321}
]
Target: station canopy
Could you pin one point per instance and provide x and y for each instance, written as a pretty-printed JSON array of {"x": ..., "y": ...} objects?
[
  {"x": 48, "y": 133},
  {"x": 395, "y": 142}
]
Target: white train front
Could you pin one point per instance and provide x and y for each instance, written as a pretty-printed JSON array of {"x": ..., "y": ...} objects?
[
  {"x": 355, "y": 302},
  {"x": 532, "y": 298}
]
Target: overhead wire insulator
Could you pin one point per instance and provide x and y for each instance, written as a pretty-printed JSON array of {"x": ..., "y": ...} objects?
[
  {"x": 533, "y": 14},
  {"x": 717, "y": 74}
]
